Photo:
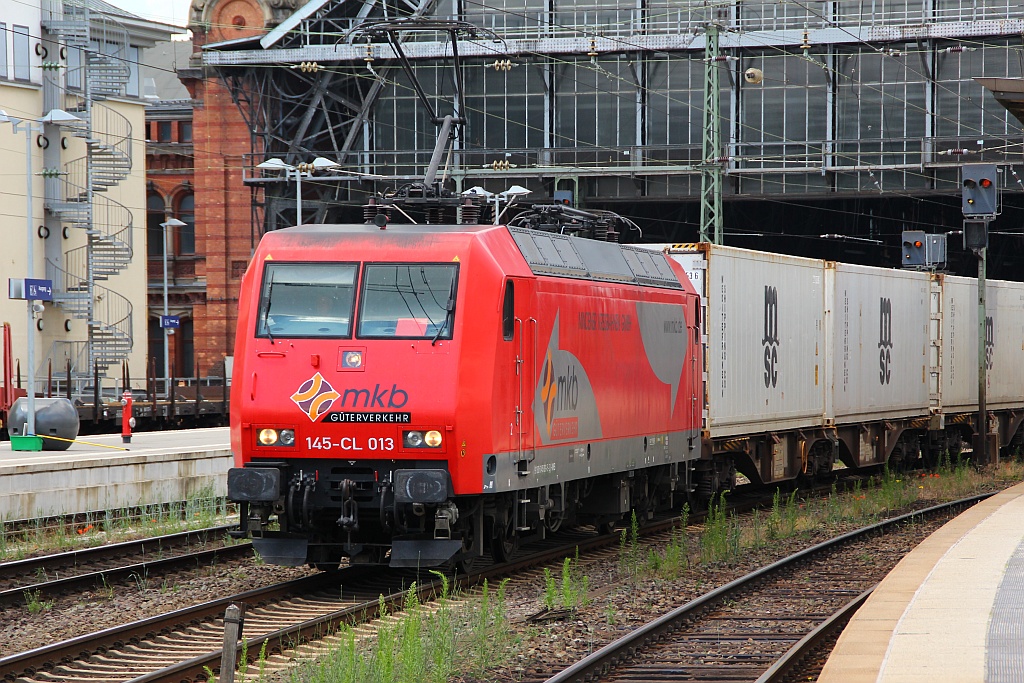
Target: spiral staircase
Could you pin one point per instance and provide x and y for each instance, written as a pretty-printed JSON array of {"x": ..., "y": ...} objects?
[{"x": 75, "y": 195}]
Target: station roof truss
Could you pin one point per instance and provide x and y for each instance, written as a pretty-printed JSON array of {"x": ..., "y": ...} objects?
[{"x": 312, "y": 87}]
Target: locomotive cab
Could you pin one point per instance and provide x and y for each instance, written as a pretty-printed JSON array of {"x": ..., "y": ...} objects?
[{"x": 347, "y": 398}]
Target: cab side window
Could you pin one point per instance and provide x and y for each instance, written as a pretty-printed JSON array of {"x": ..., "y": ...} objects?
[{"x": 508, "y": 315}]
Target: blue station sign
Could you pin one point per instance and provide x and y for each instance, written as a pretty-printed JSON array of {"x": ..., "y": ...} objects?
[
  {"x": 170, "y": 321},
  {"x": 30, "y": 289}
]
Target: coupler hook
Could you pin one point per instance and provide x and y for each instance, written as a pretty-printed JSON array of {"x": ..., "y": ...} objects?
[{"x": 349, "y": 520}]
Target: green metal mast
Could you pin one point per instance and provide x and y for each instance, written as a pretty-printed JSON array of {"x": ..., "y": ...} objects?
[{"x": 711, "y": 168}]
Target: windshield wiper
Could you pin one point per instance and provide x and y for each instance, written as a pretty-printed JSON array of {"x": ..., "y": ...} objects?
[
  {"x": 266, "y": 314},
  {"x": 450, "y": 308}
]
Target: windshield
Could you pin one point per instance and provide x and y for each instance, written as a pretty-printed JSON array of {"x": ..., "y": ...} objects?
[
  {"x": 307, "y": 300},
  {"x": 408, "y": 300}
]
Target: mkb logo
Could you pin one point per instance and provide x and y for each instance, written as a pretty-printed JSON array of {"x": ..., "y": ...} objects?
[
  {"x": 885, "y": 341},
  {"x": 771, "y": 336},
  {"x": 315, "y": 396}
]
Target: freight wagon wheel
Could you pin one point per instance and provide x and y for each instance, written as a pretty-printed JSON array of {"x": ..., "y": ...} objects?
[{"x": 897, "y": 461}]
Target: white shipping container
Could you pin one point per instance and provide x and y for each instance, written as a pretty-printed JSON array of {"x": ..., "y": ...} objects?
[
  {"x": 879, "y": 320},
  {"x": 765, "y": 352},
  {"x": 1005, "y": 340},
  {"x": 1004, "y": 311},
  {"x": 959, "y": 344}
]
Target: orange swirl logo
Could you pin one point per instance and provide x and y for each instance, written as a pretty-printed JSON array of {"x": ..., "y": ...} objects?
[
  {"x": 315, "y": 396},
  {"x": 548, "y": 390}
]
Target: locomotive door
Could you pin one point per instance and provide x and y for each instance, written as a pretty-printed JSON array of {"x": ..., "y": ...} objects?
[
  {"x": 696, "y": 369},
  {"x": 519, "y": 323}
]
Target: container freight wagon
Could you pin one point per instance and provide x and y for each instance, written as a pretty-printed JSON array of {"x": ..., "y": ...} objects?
[
  {"x": 766, "y": 337},
  {"x": 1004, "y": 346},
  {"x": 810, "y": 362},
  {"x": 879, "y": 341}
]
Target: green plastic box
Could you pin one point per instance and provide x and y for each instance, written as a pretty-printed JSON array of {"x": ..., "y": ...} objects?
[{"x": 26, "y": 443}]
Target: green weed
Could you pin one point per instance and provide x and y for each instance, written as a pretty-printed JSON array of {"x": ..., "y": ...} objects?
[{"x": 35, "y": 603}]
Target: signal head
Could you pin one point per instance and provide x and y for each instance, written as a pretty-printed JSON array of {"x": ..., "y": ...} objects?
[{"x": 980, "y": 190}]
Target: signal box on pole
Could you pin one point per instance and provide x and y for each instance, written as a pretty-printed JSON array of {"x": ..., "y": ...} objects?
[{"x": 980, "y": 190}]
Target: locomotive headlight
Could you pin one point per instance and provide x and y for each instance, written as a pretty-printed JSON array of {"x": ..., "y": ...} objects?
[
  {"x": 419, "y": 439},
  {"x": 277, "y": 437}
]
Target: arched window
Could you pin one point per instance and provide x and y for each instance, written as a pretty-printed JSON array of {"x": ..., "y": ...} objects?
[
  {"x": 187, "y": 233},
  {"x": 154, "y": 233}
]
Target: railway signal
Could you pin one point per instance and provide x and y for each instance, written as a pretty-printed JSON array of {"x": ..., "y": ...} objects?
[
  {"x": 913, "y": 248},
  {"x": 921, "y": 250},
  {"x": 980, "y": 206},
  {"x": 980, "y": 190}
]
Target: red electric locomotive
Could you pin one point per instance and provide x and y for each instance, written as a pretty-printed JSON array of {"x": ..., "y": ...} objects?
[{"x": 418, "y": 395}]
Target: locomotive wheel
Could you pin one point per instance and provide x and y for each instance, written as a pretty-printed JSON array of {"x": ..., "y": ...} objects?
[
  {"x": 503, "y": 540},
  {"x": 553, "y": 521},
  {"x": 465, "y": 564}
]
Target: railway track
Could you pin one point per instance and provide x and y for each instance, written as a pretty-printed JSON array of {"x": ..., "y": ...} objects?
[
  {"x": 179, "y": 645},
  {"x": 77, "y": 570},
  {"x": 805, "y": 660},
  {"x": 741, "y": 630}
]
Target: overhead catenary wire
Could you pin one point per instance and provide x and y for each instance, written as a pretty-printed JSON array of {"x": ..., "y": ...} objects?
[{"x": 686, "y": 103}]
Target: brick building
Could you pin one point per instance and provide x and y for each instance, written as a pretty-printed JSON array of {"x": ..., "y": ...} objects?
[
  {"x": 206, "y": 281},
  {"x": 170, "y": 193}
]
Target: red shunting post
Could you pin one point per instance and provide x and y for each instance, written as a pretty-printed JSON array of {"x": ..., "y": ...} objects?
[{"x": 127, "y": 419}]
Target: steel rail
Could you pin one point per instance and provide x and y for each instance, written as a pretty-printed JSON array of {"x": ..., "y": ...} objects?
[
  {"x": 31, "y": 565},
  {"x": 82, "y": 647},
  {"x": 112, "y": 638},
  {"x": 76, "y": 559},
  {"x": 786, "y": 664},
  {"x": 141, "y": 569}
]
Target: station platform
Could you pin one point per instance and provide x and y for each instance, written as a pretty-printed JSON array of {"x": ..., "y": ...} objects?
[
  {"x": 952, "y": 610},
  {"x": 95, "y": 474}
]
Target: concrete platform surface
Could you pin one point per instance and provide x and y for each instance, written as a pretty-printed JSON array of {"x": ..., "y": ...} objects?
[
  {"x": 952, "y": 610},
  {"x": 95, "y": 474}
]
